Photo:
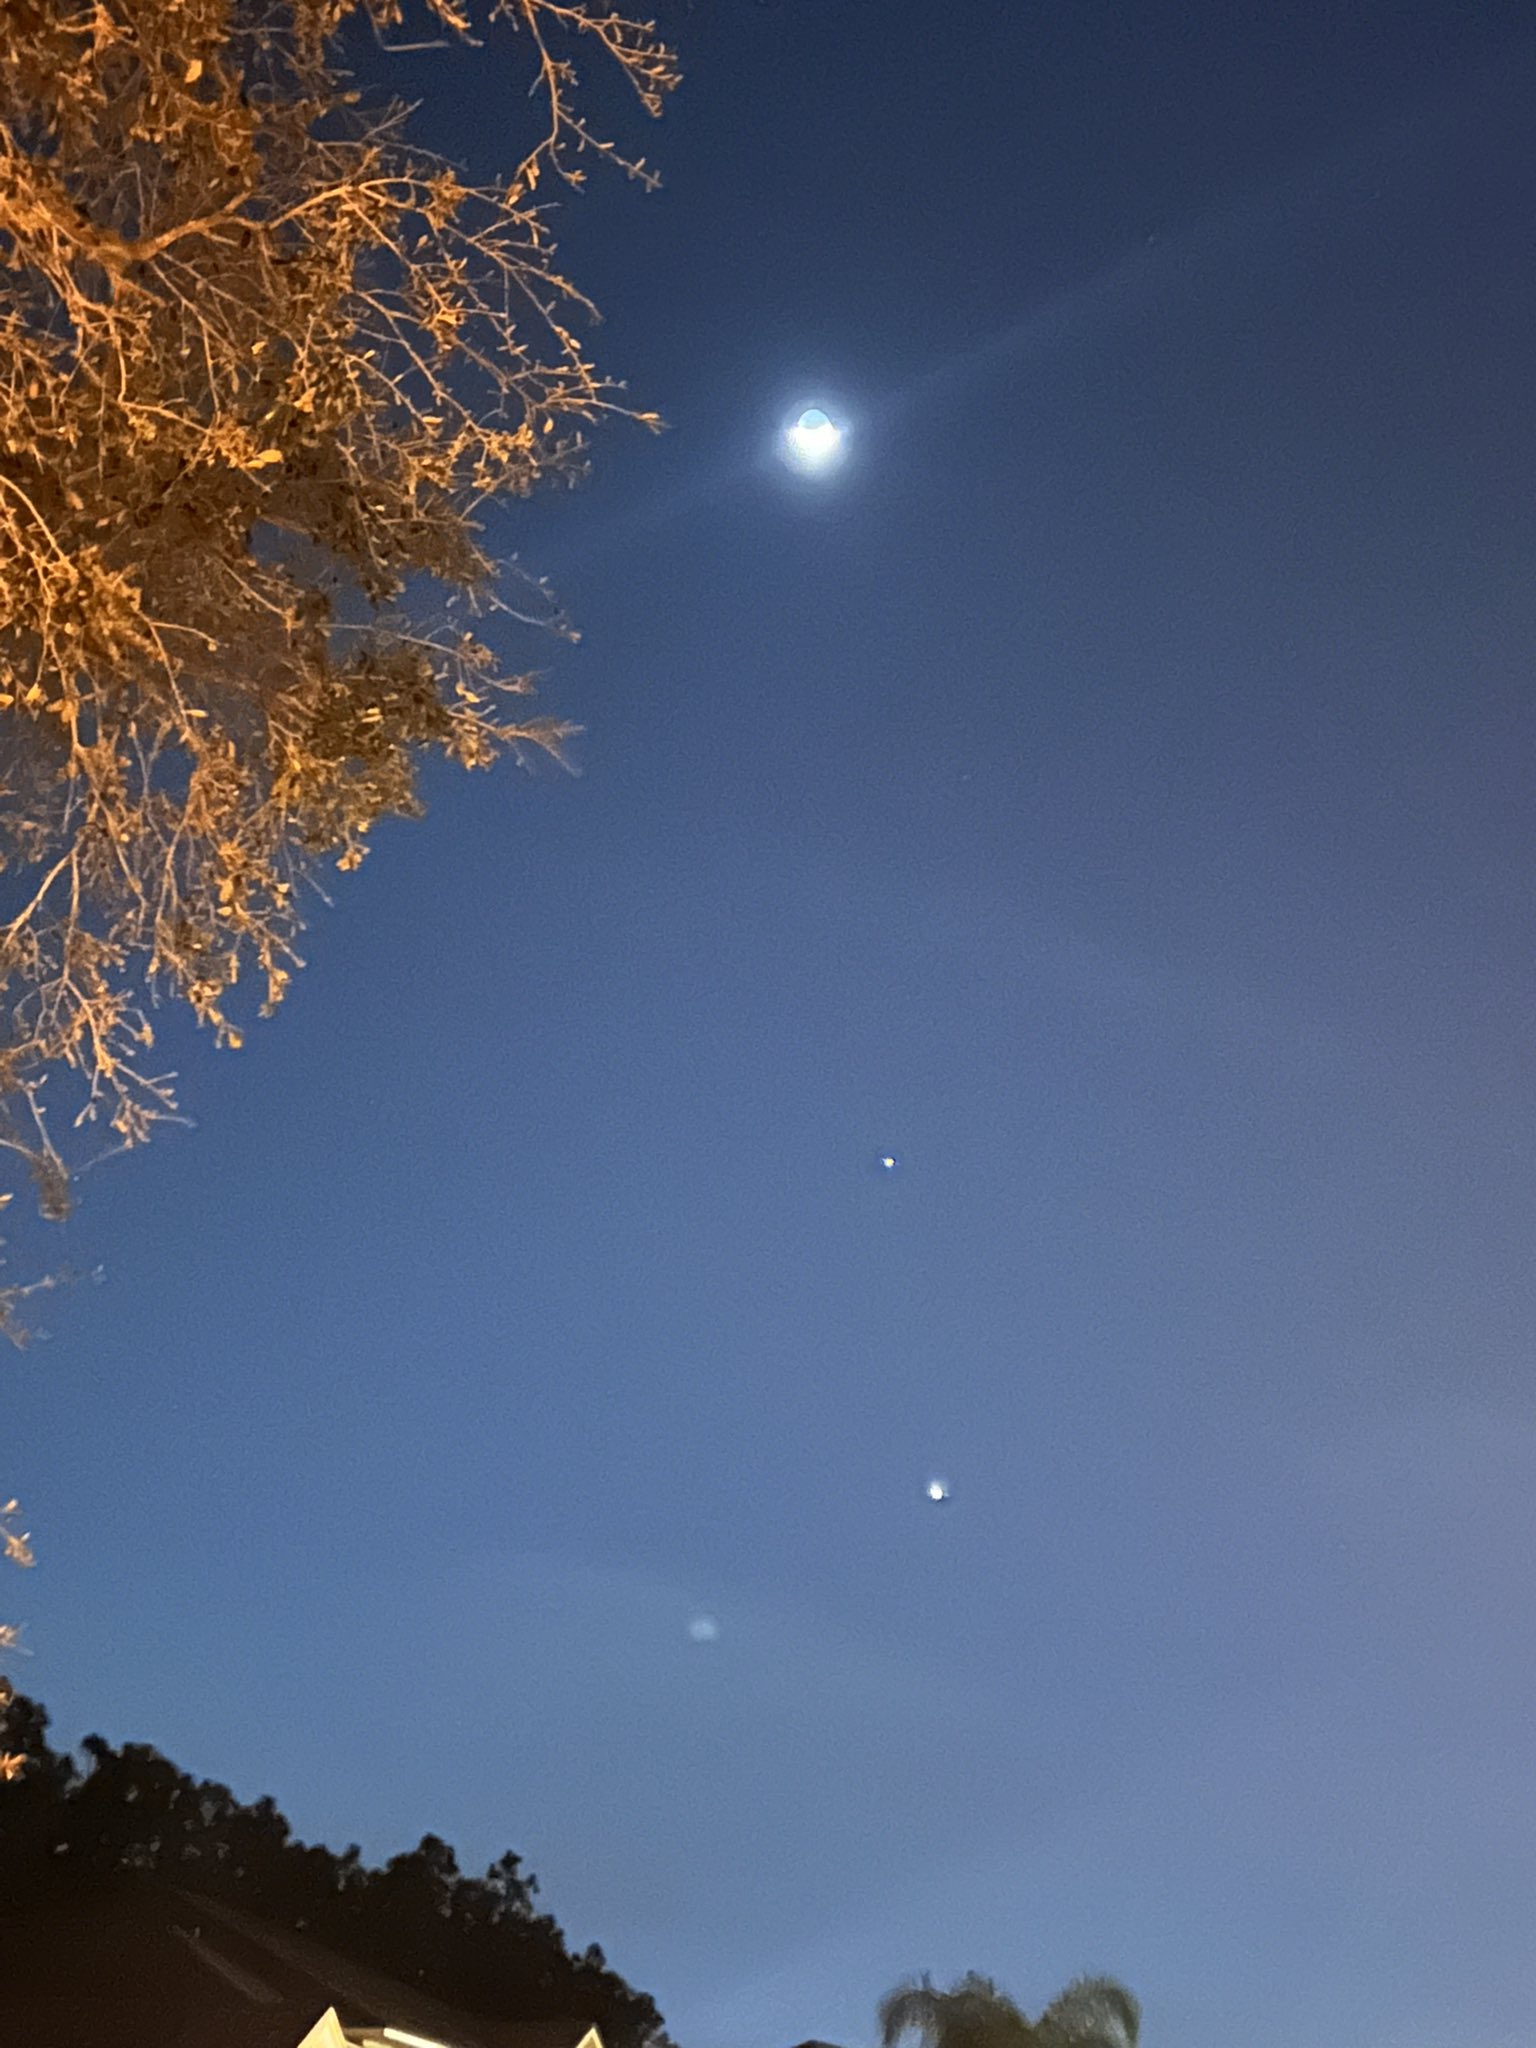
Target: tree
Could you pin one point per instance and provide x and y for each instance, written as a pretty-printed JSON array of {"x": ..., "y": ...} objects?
[
  {"x": 263, "y": 363},
  {"x": 15, "y": 1548},
  {"x": 35, "y": 1798},
  {"x": 1093, "y": 2012},
  {"x": 133, "y": 1817}
]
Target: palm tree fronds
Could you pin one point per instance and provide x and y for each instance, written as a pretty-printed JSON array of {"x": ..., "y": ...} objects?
[{"x": 1096, "y": 2012}]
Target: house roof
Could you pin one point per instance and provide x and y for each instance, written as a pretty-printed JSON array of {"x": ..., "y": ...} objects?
[
  {"x": 328, "y": 2032},
  {"x": 153, "y": 1968}
]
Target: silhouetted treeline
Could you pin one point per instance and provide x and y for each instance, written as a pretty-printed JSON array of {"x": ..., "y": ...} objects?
[{"x": 475, "y": 1942}]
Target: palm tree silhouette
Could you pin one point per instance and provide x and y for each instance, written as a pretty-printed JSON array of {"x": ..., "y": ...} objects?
[{"x": 1093, "y": 2012}]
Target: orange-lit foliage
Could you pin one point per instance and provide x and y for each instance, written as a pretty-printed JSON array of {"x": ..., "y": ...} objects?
[
  {"x": 16, "y": 1547},
  {"x": 262, "y": 361}
]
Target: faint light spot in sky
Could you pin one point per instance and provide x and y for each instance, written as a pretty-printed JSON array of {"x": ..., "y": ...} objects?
[
  {"x": 704, "y": 1628},
  {"x": 938, "y": 1489},
  {"x": 812, "y": 442}
]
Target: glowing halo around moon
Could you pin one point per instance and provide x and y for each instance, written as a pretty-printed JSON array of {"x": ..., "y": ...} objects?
[{"x": 813, "y": 442}]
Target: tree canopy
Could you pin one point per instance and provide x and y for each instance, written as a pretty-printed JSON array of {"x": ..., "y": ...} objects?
[
  {"x": 1093, "y": 2012},
  {"x": 130, "y": 1815},
  {"x": 264, "y": 361}
]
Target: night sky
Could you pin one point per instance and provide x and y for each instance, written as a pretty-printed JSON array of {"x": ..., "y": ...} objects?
[{"x": 1111, "y": 793}]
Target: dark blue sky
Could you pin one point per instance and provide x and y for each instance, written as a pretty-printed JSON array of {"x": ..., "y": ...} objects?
[{"x": 1113, "y": 792}]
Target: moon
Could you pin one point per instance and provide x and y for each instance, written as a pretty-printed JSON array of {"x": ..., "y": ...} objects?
[
  {"x": 704, "y": 1628},
  {"x": 937, "y": 1490},
  {"x": 813, "y": 441}
]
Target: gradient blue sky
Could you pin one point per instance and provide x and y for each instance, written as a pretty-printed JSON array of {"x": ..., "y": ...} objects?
[{"x": 1113, "y": 793}]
